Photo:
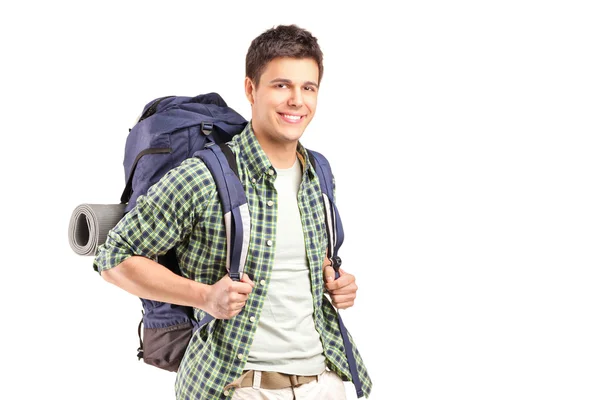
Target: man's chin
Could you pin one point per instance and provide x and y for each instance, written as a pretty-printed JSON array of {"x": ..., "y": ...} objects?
[
  {"x": 293, "y": 133},
  {"x": 292, "y": 137}
]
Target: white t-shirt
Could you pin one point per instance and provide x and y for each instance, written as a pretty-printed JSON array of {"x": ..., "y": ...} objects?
[{"x": 286, "y": 339}]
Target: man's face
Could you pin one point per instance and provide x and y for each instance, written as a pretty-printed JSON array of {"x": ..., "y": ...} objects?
[{"x": 285, "y": 100}]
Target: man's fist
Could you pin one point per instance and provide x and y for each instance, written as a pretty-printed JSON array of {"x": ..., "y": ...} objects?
[
  {"x": 226, "y": 298},
  {"x": 342, "y": 290}
]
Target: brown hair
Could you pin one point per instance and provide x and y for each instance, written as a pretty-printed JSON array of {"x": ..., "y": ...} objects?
[{"x": 281, "y": 41}]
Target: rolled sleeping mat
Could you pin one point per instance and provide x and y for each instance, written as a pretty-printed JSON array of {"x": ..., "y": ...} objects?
[{"x": 89, "y": 226}]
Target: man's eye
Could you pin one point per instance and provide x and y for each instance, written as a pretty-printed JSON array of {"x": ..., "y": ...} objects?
[
  {"x": 310, "y": 88},
  {"x": 282, "y": 85}
]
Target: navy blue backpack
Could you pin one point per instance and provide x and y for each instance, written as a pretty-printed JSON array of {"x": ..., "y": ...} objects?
[{"x": 170, "y": 130}]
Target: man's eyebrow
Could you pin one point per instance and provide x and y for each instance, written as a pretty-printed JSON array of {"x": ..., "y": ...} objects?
[{"x": 289, "y": 81}]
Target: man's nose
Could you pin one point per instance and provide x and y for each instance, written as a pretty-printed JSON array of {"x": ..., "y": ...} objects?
[{"x": 296, "y": 98}]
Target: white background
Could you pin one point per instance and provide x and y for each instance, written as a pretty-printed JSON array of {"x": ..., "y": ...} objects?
[{"x": 464, "y": 137}]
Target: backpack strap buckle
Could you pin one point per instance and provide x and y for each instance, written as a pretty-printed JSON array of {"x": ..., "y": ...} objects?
[
  {"x": 206, "y": 128},
  {"x": 336, "y": 262}
]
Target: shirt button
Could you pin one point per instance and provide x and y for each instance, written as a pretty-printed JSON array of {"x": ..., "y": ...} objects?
[
  {"x": 240, "y": 356},
  {"x": 270, "y": 203},
  {"x": 252, "y": 319},
  {"x": 263, "y": 282},
  {"x": 269, "y": 243},
  {"x": 271, "y": 172},
  {"x": 253, "y": 180},
  {"x": 226, "y": 392}
]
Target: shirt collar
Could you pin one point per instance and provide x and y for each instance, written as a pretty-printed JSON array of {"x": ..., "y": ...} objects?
[{"x": 256, "y": 160}]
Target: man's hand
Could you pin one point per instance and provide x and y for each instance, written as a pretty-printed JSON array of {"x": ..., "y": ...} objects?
[
  {"x": 226, "y": 298},
  {"x": 342, "y": 290}
]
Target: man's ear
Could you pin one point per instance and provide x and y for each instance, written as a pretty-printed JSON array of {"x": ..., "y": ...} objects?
[{"x": 249, "y": 88}]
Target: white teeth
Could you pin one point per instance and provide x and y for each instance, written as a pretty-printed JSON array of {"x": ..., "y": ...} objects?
[{"x": 293, "y": 117}]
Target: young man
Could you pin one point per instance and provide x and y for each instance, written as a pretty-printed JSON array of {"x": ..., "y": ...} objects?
[{"x": 275, "y": 334}]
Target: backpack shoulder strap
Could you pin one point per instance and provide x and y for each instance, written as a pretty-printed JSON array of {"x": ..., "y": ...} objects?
[
  {"x": 333, "y": 221},
  {"x": 335, "y": 233},
  {"x": 220, "y": 161}
]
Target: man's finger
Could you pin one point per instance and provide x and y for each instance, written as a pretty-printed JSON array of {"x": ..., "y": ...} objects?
[
  {"x": 242, "y": 287},
  {"x": 343, "y": 306},
  {"x": 350, "y": 289},
  {"x": 343, "y": 298}
]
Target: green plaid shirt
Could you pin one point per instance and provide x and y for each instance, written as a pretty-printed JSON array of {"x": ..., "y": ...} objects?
[{"x": 183, "y": 211}]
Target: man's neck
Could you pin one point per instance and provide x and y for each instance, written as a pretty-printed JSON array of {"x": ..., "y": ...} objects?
[
  {"x": 281, "y": 154},
  {"x": 282, "y": 159}
]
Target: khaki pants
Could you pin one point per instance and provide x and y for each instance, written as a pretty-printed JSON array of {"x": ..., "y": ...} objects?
[{"x": 328, "y": 386}]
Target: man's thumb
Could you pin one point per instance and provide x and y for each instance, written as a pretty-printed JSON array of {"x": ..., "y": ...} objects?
[
  {"x": 329, "y": 274},
  {"x": 246, "y": 279}
]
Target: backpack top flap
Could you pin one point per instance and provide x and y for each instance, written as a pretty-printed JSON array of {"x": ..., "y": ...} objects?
[
  {"x": 207, "y": 114},
  {"x": 162, "y": 103}
]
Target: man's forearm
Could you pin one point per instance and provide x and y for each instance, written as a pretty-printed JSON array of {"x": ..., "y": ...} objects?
[{"x": 148, "y": 279}]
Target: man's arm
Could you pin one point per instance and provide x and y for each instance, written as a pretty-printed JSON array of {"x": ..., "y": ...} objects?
[{"x": 148, "y": 279}]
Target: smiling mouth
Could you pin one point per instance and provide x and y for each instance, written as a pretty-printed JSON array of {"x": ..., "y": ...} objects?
[{"x": 291, "y": 118}]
